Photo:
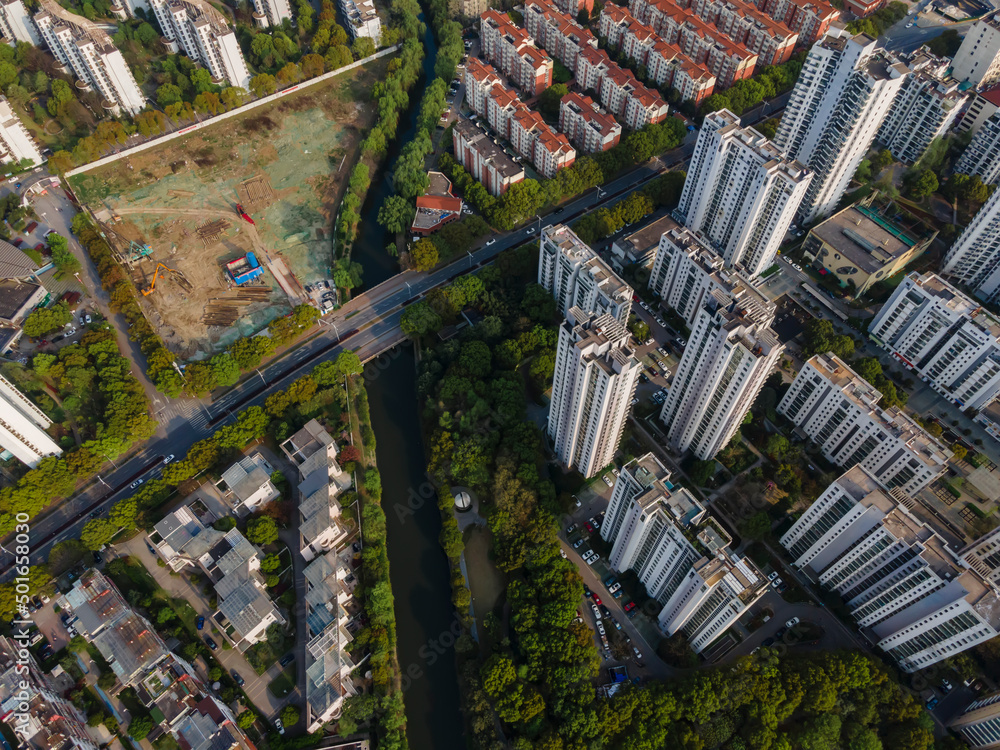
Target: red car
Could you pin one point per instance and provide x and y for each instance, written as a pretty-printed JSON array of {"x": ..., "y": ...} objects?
[
  {"x": 17, "y": 242},
  {"x": 597, "y": 600},
  {"x": 630, "y": 606},
  {"x": 589, "y": 527}
]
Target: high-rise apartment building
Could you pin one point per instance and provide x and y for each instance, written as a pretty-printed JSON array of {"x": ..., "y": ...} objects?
[
  {"x": 979, "y": 724},
  {"x": 982, "y": 156},
  {"x": 576, "y": 276},
  {"x": 983, "y": 106},
  {"x": 837, "y": 409},
  {"x": 686, "y": 273},
  {"x": 16, "y": 142},
  {"x": 15, "y": 23},
  {"x": 362, "y": 19},
  {"x": 592, "y": 388},
  {"x": 662, "y": 533},
  {"x": 900, "y": 579},
  {"x": 974, "y": 258},
  {"x": 22, "y": 427},
  {"x": 926, "y": 107},
  {"x": 842, "y": 96},
  {"x": 944, "y": 337},
  {"x": 978, "y": 59},
  {"x": 205, "y": 36},
  {"x": 741, "y": 193},
  {"x": 983, "y": 556},
  {"x": 88, "y": 50},
  {"x": 729, "y": 355},
  {"x": 271, "y": 12}
]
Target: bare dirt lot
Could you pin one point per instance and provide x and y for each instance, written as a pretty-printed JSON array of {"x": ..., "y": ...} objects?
[{"x": 288, "y": 163}]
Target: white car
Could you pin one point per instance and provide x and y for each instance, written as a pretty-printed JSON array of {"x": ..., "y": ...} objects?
[
  {"x": 600, "y": 628},
  {"x": 490, "y": 241},
  {"x": 607, "y": 481},
  {"x": 593, "y": 558},
  {"x": 775, "y": 583},
  {"x": 597, "y": 612},
  {"x": 792, "y": 623},
  {"x": 531, "y": 230},
  {"x": 772, "y": 575},
  {"x": 909, "y": 25},
  {"x": 614, "y": 587}
]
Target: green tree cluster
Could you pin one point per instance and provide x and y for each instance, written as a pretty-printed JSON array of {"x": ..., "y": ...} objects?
[
  {"x": 747, "y": 93},
  {"x": 876, "y": 24}
]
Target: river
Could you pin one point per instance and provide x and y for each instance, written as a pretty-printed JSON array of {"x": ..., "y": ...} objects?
[
  {"x": 419, "y": 571},
  {"x": 369, "y": 248}
]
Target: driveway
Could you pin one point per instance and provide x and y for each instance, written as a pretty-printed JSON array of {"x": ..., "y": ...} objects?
[
  {"x": 51, "y": 626},
  {"x": 231, "y": 659}
]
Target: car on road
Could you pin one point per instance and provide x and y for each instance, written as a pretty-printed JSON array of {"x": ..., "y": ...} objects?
[
  {"x": 96, "y": 513},
  {"x": 168, "y": 459},
  {"x": 637, "y": 652},
  {"x": 136, "y": 483},
  {"x": 559, "y": 210},
  {"x": 490, "y": 241},
  {"x": 767, "y": 642},
  {"x": 210, "y": 643},
  {"x": 279, "y": 726},
  {"x": 909, "y": 25},
  {"x": 793, "y": 622},
  {"x": 287, "y": 659},
  {"x": 239, "y": 680},
  {"x": 201, "y": 622},
  {"x": 531, "y": 230}
]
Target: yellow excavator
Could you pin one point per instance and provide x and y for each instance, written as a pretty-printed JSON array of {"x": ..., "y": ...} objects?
[{"x": 181, "y": 279}]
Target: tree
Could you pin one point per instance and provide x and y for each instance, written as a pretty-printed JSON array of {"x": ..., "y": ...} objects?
[
  {"x": 548, "y": 103},
  {"x": 881, "y": 160},
  {"x": 959, "y": 451},
  {"x": 168, "y": 94},
  {"x": 396, "y": 214},
  {"x": 64, "y": 261},
  {"x": 225, "y": 369},
  {"x": 246, "y": 719},
  {"x": 757, "y": 526},
  {"x": 424, "y": 255},
  {"x": 97, "y": 532},
  {"x": 290, "y": 716},
  {"x": 47, "y": 319},
  {"x": 263, "y": 84},
  {"x": 289, "y": 74},
  {"x": 362, "y": 47},
  {"x": 140, "y": 727},
  {"x": 262, "y": 530},
  {"x": 922, "y": 184}
]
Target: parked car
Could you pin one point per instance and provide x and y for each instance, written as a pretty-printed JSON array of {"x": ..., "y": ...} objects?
[
  {"x": 772, "y": 575},
  {"x": 607, "y": 481},
  {"x": 767, "y": 642},
  {"x": 605, "y": 611},
  {"x": 609, "y": 580},
  {"x": 630, "y": 606},
  {"x": 577, "y": 543},
  {"x": 932, "y": 702},
  {"x": 31, "y": 227},
  {"x": 239, "y": 680},
  {"x": 593, "y": 559},
  {"x": 615, "y": 587},
  {"x": 210, "y": 643},
  {"x": 775, "y": 582},
  {"x": 279, "y": 726},
  {"x": 287, "y": 659},
  {"x": 589, "y": 527},
  {"x": 600, "y": 627},
  {"x": 793, "y": 622},
  {"x": 597, "y": 612},
  {"x": 597, "y": 600},
  {"x": 201, "y": 622},
  {"x": 637, "y": 652}
]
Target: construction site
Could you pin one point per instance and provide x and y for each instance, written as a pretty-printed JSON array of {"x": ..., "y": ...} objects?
[{"x": 226, "y": 229}]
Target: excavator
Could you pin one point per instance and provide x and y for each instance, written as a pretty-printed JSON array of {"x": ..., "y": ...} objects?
[{"x": 177, "y": 275}]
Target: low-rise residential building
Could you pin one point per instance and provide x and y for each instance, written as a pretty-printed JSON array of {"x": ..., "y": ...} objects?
[
  {"x": 512, "y": 50},
  {"x": 33, "y": 707},
  {"x": 573, "y": 7},
  {"x": 88, "y": 50},
  {"x": 640, "y": 247},
  {"x": 437, "y": 207},
  {"x": 686, "y": 273},
  {"x": 983, "y": 106},
  {"x": 321, "y": 480},
  {"x": 586, "y": 125},
  {"x": 947, "y": 339},
  {"x": 246, "y": 485},
  {"x": 330, "y": 585},
  {"x": 16, "y": 143},
  {"x": 810, "y": 19},
  {"x": 485, "y": 160},
  {"x": 771, "y": 40},
  {"x": 480, "y": 80},
  {"x": 838, "y": 410},
  {"x": 577, "y": 277},
  {"x": 663, "y": 534},
  {"x": 557, "y": 33},
  {"x": 898, "y": 576},
  {"x": 644, "y": 107},
  {"x": 926, "y": 107},
  {"x": 668, "y": 66},
  {"x": 205, "y": 36},
  {"x": 591, "y": 67},
  {"x": 613, "y": 23},
  {"x": 982, "y": 156},
  {"x": 15, "y": 265},
  {"x": 362, "y": 19},
  {"x": 862, "y": 245},
  {"x": 535, "y": 141},
  {"x": 637, "y": 41}
]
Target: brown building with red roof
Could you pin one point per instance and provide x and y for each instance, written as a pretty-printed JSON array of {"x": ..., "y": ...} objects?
[
  {"x": 437, "y": 207},
  {"x": 512, "y": 50},
  {"x": 586, "y": 125}
]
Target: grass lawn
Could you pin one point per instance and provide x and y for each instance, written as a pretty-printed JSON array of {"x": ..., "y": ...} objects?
[{"x": 283, "y": 684}]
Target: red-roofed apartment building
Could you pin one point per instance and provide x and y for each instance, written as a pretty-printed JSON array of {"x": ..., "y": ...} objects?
[
  {"x": 637, "y": 41},
  {"x": 485, "y": 160},
  {"x": 592, "y": 66},
  {"x": 437, "y": 207},
  {"x": 535, "y": 141},
  {"x": 501, "y": 107},
  {"x": 810, "y": 19},
  {"x": 861, "y": 9},
  {"x": 644, "y": 106},
  {"x": 556, "y": 32},
  {"x": 573, "y": 7},
  {"x": 480, "y": 78},
  {"x": 730, "y": 62},
  {"x": 745, "y": 24},
  {"x": 589, "y": 128},
  {"x": 614, "y": 22},
  {"x": 512, "y": 50}
]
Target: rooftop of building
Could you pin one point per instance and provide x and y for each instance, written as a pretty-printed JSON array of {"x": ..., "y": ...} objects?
[
  {"x": 81, "y": 27},
  {"x": 14, "y": 295},
  {"x": 839, "y": 373},
  {"x": 488, "y": 149},
  {"x": 311, "y": 439},
  {"x": 862, "y": 487},
  {"x": 864, "y": 237},
  {"x": 247, "y": 476},
  {"x": 992, "y": 95},
  {"x": 14, "y": 263},
  {"x": 649, "y": 235},
  {"x": 956, "y": 301}
]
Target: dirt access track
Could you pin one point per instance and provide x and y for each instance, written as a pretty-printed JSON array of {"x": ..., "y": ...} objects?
[{"x": 287, "y": 162}]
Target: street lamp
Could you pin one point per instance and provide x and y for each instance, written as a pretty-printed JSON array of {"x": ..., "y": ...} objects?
[
  {"x": 470, "y": 257},
  {"x": 101, "y": 480},
  {"x": 261, "y": 376},
  {"x": 110, "y": 459}
]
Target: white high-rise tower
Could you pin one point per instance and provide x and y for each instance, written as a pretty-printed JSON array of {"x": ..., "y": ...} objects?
[
  {"x": 974, "y": 259},
  {"x": 22, "y": 427},
  {"x": 741, "y": 193},
  {"x": 843, "y": 94},
  {"x": 728, "y": 357},
  {"x": 592, "y": 388}
]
